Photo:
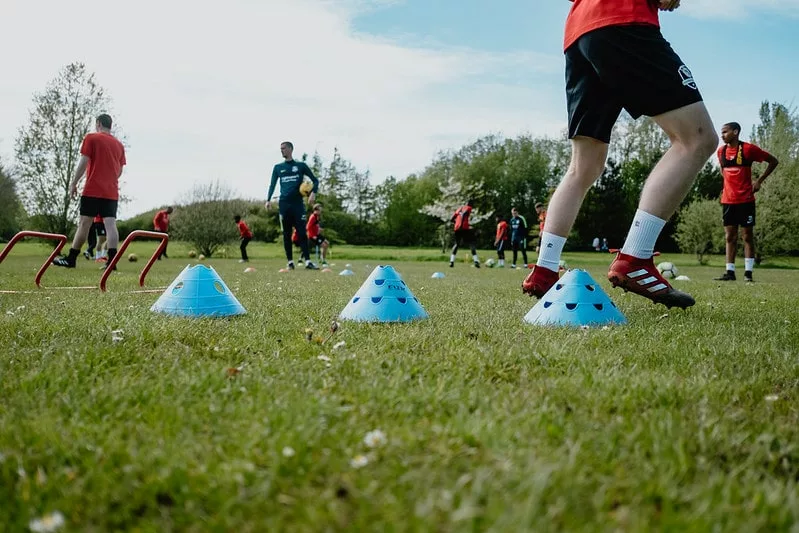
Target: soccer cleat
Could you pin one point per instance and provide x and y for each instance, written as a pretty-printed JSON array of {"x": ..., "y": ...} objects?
[
  {"x": 311, "y": 266},
  {"x": 641, "y": 277},
  {"x": 727, "y": 276},
  {"x": 748, "y": 276},
  {"x": 513, "y": 266},
  {"x": 539, "y": 281},
  {"x": 63, "y": 261},
  {"x": 451, "y": 264},
  {"x": 291, "y": 265},
  {"x": 87, "y": 254},
  {"x": 477, "y": 264},
  {"x": 242, "y": 261}
]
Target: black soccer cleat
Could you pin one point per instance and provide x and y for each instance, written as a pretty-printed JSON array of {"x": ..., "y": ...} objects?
[{"x": 727, "y": 276}]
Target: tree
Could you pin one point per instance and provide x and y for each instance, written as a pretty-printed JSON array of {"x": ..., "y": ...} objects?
[
  {"x": 10, "y": 206},
  {"x": 48, "y": 147},
  {"x": 207, "y": 219},
  {"x": 699, "y": 230}
]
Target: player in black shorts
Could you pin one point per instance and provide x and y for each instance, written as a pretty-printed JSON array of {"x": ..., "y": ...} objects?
[{"x": 616, "y": 58}]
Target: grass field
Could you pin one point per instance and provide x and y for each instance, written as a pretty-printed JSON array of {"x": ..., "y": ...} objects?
[{"x": 679, "y": 421}]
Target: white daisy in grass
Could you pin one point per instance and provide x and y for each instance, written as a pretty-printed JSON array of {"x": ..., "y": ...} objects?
[
  {"x": 288, "y": 451},
  {"x": 375, "y": 439},
  {"x": 339, "y": 344},
  {"x": 359, "y": 461},
  {"x": 772, "y": 398},
  {"x": 323, "y": 357},
  {"x": 47, "y": 523},
  {"x": 116, "y": 335}
]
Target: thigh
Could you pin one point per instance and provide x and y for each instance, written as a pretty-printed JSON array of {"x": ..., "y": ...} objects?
[
  {"x": 639, "y": 65},
  {"x": 592, "y": 106}
]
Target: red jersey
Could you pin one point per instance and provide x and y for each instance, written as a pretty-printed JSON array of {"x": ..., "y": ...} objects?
[
  {"x": 244, "y": 231},
  {"x": 542, "y": 217},
  {"x": 502, "y": 231},
  {"x": 161, "y": 220},
  {"x": 461, "y": 218},
  {"x": 106, "y": 159},
  {"x": 312, "y": 227},
  {"x": 590, "y": 15},
  {"x": 97, "y": 219},
  {"x": 736, "y": 167}
]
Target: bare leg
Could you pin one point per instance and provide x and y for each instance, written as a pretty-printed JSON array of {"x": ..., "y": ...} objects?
[
  {"x": 748, "y": 235},
  {"x": 731, "y": 233},
  {"x": 84, "y": 225},
  {"x": 111, "y": 233}
]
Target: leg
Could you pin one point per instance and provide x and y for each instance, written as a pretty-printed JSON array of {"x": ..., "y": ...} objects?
[
  {"x": 523, "y": 247},
  {"x": 731, "y": 235},
  {"x": 303, "y": 240},
  {"x": 454, "y": 249},
  {"x": 286, "y": 224},
  {"x": 748, "y": 234},
  {"x": 324, "y": 246},
  {"x": 515, "y": 253},
  {"x": 92, "y": 241},
  {"x": 81, "y": 234}
]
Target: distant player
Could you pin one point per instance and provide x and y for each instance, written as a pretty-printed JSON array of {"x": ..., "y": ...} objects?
[
  {"x": 464, "y": 234},
  {"x": 518, "y": 238},
  {"x": 246, "y": 237},
  {"x": 501, "y": 240},
  {"x": 738, "y": 196},
  {"x": 102, "y": 158},
  {"x": 541, "y": 213},
  {"x": 314, "y": 231},
  {"x": 617, "y": 58},
  {"x": 96, "y": 240},
  {"x": 292, "y": 210},
  {"x": 161, "y": 223}
]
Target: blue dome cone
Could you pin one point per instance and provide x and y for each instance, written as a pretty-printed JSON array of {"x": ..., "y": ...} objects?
[
  {"x": 384, "y": 297},
  {"x": 198, "y": 292},
  {"x": 575, "y": 300}
]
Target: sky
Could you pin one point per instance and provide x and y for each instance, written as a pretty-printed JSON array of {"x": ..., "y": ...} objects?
[{"x": 207, "y": 90}]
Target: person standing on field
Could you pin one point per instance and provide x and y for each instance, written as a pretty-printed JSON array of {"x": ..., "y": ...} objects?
[
  {"x": 501, "y": 240},
  {"x": 518, "y": 227},
  {"x": 464, "y": 234},
  {"x": 102, "y": 158},
  {"x": 161, "y": 223},
  {"x": 290, "y": 173},
  {"x": 738, "y": 196},
  {"x": 617, "y": 58},
  {"x": 246, "y": 237}
]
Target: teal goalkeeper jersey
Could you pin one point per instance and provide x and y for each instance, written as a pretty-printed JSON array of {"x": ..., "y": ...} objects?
[{"x": 290, "y": 174}]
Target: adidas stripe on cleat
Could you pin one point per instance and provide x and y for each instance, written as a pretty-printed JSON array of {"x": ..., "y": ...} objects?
[{"x": 641, "y": 277}]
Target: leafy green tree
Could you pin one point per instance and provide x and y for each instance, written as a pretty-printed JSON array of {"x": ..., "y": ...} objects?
[
  {"x": 47, "y": 148},
  {"x": 206, "y": 220},
  {"x": 10, "y": 206},
  {"x": 699, "y": 230}
]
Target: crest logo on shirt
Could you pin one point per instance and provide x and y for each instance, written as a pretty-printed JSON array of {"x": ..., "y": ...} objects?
[
  {"x": 687, "y": 77},
  {"x": 295, "y": 169}
]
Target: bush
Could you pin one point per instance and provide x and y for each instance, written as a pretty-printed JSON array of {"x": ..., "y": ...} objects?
[
  {"x": 700, "y": 230},
  {"x": 207, "y": 220}
]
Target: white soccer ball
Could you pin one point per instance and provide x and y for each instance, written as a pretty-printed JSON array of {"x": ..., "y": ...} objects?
[
  {"x": 489, "y": 262},
  {"x": 667, "y": 270},
  {"x": 562, "y": 264}
]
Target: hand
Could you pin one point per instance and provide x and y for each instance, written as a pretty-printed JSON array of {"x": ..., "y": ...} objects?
[
  {"x": 73, "y": 191},
  {"x": 668, "y": 5},
  {"x": 268, "y": 205},
  {"x": 311, "y": 198},
  {"x": 756, "y": 185}
]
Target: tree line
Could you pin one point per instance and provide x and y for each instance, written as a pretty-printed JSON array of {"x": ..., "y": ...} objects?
[{"x": 497, "y": 172}]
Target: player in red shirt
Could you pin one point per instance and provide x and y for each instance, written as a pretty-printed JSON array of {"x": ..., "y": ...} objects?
[
  {"x": 161, "y": 223},
  {"x": 102, "y": 158},
  {"x": 541, "y": 211},
  {"x": 246, "y": 237},
  {"x": 463, "y": 232},
  {"x": 501, "y": 240},
  {"x": 738, "y": 196},
  {"x": 616, "y": 58},
  {"x": 314, "y": 230}
]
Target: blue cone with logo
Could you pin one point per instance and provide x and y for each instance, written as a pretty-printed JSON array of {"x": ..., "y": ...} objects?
[
  {"x": 384, "y": 297},
  {"x": 198, "y": 292},
  {"x": 575, "y": 300}
]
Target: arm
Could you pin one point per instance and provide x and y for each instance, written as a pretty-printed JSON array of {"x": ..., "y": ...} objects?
[
  {"x": 80, "y": 170},
  {"x": 772, "y": 164},
  {"x": 272, "y": 184}
]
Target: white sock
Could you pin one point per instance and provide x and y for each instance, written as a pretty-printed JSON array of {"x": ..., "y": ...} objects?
[
  {"x": 551, "y": 248},
  {"x": 452, "y": 258},
  {"x": 749, "y": 264},
  {"x": 501, "y": 262},
  {"x": 731, "y": 267},
  {"x": 644, "y": 233},
  {"x": 475, "y": 259},
  {"x": 98, "y": 255}
]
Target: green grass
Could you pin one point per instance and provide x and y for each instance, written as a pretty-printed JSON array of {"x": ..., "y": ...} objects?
[{"x": 491, "y": 424}]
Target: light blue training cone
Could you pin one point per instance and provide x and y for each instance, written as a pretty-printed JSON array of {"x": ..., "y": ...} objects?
[
  {"x": 384, "y": 297},
  {"x": 198, "y": 292},
  {"x": 346, "y": 272},
  {"x": 575, "y": 300},
  {"x": 438, "y": 275}
]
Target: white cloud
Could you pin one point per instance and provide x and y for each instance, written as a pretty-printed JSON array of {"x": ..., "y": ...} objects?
[
  {"x": 208, "y": 90},
  {"x": 738, "y": 9}
]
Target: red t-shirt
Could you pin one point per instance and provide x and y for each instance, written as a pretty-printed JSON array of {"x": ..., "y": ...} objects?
[
  {"x": 106, "y": 159},
  {"x": 244, "y": 231},
  {"x": 461, "y": 217},
  {"x": 590, "y": 15},
  {"x": 502, "y": 231},
  {"x": 738, "y": 180},
  {"x": 542, "y": 218},
  {"x": 161, "y": 220},
  {"x": 97, "y": 219},
  {"x": 312, "y": 227}
]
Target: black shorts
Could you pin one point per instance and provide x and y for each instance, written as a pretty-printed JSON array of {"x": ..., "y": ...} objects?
[
  {"x": 317, "y": 241},
  {"x": 738, "y": 214},
  {"x": 628, "y": 67},
  {"x": 464, "y": 236},
  {"x": 91, "y": 207},
  {"x": 519, "y": 245},
  {"x": 98, "y": 228}
]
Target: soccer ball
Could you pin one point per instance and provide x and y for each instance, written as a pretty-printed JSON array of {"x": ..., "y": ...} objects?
[
  {"x": 192, "y": 254},
  {"x": 305, "y": 188},
  {"x": 133, "y": 258},
  {"x": 201, "y": 257},
  {"x": 667, "y": 270},
  {"x": 489, "y": 263},
  {"x": 563, "y": 265}
]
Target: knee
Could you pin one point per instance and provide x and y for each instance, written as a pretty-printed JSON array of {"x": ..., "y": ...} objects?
[
  {"x": 732, "y": 238},
  {"x": 704, "y": 143},
  {"x": 748, "y": 238}
]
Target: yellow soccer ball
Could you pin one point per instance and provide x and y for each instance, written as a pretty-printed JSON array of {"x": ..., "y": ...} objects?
[
  {"x": 133, "y": 258},
  {"x": 306, "y": 188}
]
